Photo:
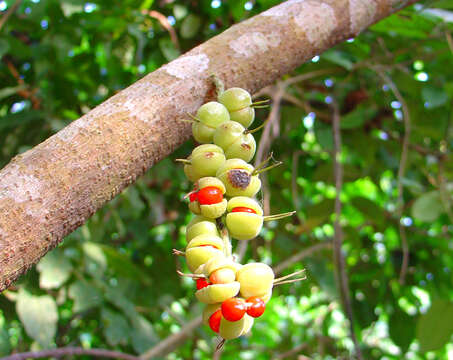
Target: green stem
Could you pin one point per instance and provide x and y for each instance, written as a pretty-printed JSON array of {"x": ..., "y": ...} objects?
[
  {"x": 185, "y": 161},
  {"x": 278, "y": 216},
  {"x": 256, "y": 172},
  {"x": 247, "y": 131}
]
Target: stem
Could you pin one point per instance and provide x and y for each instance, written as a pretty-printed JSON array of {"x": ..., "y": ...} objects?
[
  {"x": 184, "y": 161},
  {"x": 193, "y": 276},
  {"x": 219, "y": 85},
  {"x": 264, "y": 162},
  {"x": 259, "y": 102},
  {"x": 290, "y": 281},
  {"x": 225, "y": 238},
  {"x": 248, "y": 131},
  {"x": 177, "y": 252},
  {"x": 278, "y": 216},
  {"x": 289, "y": 276},
  {"x": 255, "y": 172},
  {"x": 197, "y": 120}
]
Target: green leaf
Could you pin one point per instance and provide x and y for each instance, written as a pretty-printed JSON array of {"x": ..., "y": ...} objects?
[
  {"x": 434, "y": 96},
  {"x": 96, "y": 259},
  {"x": 324, "y": 135},
  {"x": 116, "y": 328},
  {"x": 357, "y": 117},
  {"x": 428, "y": 207},
  {"x": 5, "y": 345},
  {"x": 85, "y": 295},
  {"x": 190, "y": 26},
  {"x": 369, "y": 208},
  {"x": 402, "y": 329},
  {"x": 20, "y": 118},
  {"x": 434, "y": 329},
  {"x": 4, "y": 47},
  {"x": 340, "y": 58},
  {"x": 39, "y": 316},
  {"x": 8, "y": 91},
  {"x": 168, "y": 49},
  {"x": 55, "y": 269},
  {"x": 144, "y": 334}
]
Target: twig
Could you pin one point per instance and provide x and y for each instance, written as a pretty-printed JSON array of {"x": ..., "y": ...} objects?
[
  {"x": 449, "y": 40},
  {"x": 170, "y": 343},
  {"x": 25, "y": 93},
  {"x": 341, "y": 275},
  {"x": 300, "y": 255},
  {"x": 309, "y": 75},
  {"x": 70, "y": 351},
  {"x": 165, "y": 24},
  {"x": 401, "y": 172},
  {"x": 9, "y": 12}
]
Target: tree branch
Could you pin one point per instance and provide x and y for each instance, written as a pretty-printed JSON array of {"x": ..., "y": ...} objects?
[
  {"x": 70, "y": 351},
  {"x": 341, "y": 275},
  {"x": 50, "y": 190},
  {"x": 9, "y": 12}
]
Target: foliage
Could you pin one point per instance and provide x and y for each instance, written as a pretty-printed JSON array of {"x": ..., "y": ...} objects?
[{"x": 112, "y": 283}]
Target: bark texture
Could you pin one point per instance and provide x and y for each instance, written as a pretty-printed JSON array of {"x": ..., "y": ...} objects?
[{"x": 52, "y": 189}]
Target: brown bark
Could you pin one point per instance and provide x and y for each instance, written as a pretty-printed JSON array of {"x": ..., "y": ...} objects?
[{"x": 55, "y": 187}]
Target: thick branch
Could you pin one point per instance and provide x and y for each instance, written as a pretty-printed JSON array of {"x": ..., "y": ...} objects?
[{"x": 49, "y": 191}]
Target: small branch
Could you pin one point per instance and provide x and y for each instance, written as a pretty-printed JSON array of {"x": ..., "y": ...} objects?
[
  {"x": 8, "y": 13},
  {"x": 300, "y": 255},
  {"x": 165, "y": 24},
  {"x": 25, "y": 93},
  {"x": 341, "y": 275},
  {"x": 170, "y": 343},
  {"x": 70, "y": 351},
  {"x": 401, "y": 172}
]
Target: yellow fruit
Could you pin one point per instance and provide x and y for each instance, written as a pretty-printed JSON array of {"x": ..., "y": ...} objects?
[
  {"x": 217, "y": 293},
  {"x": 256, "y": 279}
]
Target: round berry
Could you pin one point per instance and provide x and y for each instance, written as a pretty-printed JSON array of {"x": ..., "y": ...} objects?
[
  {"x": 244, "y": 116},
  {"x": 244, "y": 219},
  {"x": 210, "y": 195},
  {"x": 235, "y": 99},
  {"x": 235, "y": 142},
  {"x": 214, "y": 321},
  {"x": 255, "y": 306},
  {"x": 238, "y": 178},
  {"x": 210, "y": 115},
  {"x": 205, "y": 160},
  {"x": 233, "y": 309},
  {"x": 222, "y": 276}
]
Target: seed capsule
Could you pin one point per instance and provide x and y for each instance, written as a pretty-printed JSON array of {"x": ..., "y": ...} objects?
[
  {"x": 235, "y": 141},
  {"x": 256, "y": 279},
  {"x": 233, "y": 329},
  {"x": 245, "y": 218},
  {"x": 208, "y": 199},
  {"x": 204, "y": 161},
  {"x": 245, "y": 116},
  {"x": 205, "y": 226},
  {"x": 202, "y": 248},
  {"x": 238, "y": 178},
  {"x": 217, "y": 293},
  {"x": 209, "y": 116}
]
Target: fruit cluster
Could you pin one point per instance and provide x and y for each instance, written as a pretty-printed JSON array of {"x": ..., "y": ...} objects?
[{"x": 223, "y": 201}]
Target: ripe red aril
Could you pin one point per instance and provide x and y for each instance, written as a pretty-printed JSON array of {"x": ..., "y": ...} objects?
[
  {"x": 214, "y": 321},
  {"x": 233, "y": 309},
  {"x": 255, "y": 306},
  {"x": 243, "y": 209},
  {"x": 193, "y": 196},
  {"x": 210, "y": 195},
  {"x": 202, "y": 283}
]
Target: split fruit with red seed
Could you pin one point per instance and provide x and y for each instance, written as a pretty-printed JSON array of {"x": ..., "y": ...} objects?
[{"x": 207, "y": 198}]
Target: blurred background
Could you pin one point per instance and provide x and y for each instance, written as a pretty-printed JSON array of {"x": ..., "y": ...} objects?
[{"x": 112, "y": 283}]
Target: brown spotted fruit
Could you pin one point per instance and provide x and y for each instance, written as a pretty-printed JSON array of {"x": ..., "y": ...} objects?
[{"x": 238, "y": 178}]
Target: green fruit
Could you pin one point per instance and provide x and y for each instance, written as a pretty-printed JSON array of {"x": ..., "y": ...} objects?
[
  {"x": 191, "y": 173},
  {"x": 235, "y": 99},
  {"x": 237, "y": 177},
  {"x": 201, "y": 228},
  {"x": 205, "y": 160},
  {"x": 235, "y": 142},
  {"x": 244, "y": 116},
  {"x": 214, "y": 211},
  {"x": 217, "y": 293},
  {"x": 233, "y": 329},
  {"x": 244, "y": 225},
  {"x": 256, "y": 279},
  {"x": 210, "y": 115},
  {"x": 202, "y": 248}
]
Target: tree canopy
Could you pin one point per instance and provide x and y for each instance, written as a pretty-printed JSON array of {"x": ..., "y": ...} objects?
[{"x": 112, "y": 283}]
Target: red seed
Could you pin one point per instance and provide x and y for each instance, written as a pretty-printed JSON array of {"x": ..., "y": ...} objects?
[
  {"x": 243, "y": 209},
  {"x": 214, "y": 321},
  {"x": 210, "y": 195},
  {"x": 233, "y": 309},
  {"x": 193, "y": 196},
  {"x": 256, "y": 306},
  {"x": 202, "y": 283}
]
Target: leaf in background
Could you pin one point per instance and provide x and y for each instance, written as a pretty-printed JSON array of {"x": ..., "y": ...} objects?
[
  {"x": 8, "y": 91},
  {"x": 39, "y": 316},
  {"x": 96, "y": 259},
  {"x": 144, "y": 334},
  {"x": 324, "y": 135},
  {"x": 4, "y": 47},
  {"x": 168, "y": 49},
  {"x": 434, "y": 96},
  {"x": 434, "y": 329},
  {"x": 85, "y": 295},
  {"x": 190, "y": 26},
  {"x": 428, "y": 207},
  {"x": 116, "y": 328},
  {"x": 5, "y": 345},
  {"x": 369, "y": 208},
  {"x": 340, "y": 58},
  {"x": 357, "y": 117},
  {"x": 402, "y": 329},
  {"x": 55, "y": 269},
  {"x": 20, "y": 118}
]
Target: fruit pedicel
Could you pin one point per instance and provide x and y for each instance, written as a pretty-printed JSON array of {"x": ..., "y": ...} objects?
[{"x": 224, "y": 204}]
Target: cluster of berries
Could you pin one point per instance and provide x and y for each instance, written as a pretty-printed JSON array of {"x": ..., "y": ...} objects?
[{"x": 223, "y": 201}]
